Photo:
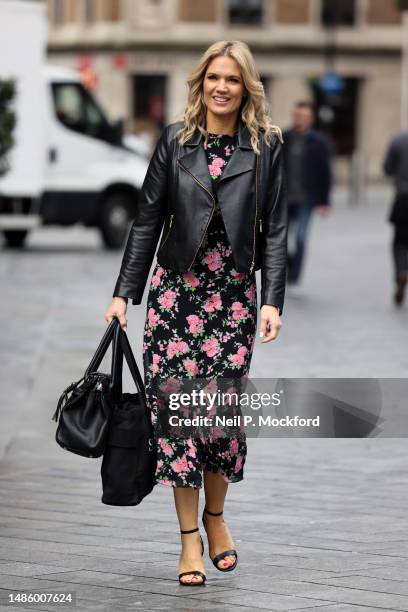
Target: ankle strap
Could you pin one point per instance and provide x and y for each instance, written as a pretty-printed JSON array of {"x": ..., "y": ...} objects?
[
  {"x": 213, "y": 513},
  {"x": 189, "y": 530}
]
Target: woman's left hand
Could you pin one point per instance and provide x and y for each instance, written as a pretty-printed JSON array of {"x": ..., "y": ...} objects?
[{"x": 270, "y": 323}]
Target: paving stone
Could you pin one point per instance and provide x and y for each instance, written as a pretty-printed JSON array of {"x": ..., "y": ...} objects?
[
  {"x": 393, "y": 586},
  {"x": 267, "y": 601},
  {"x": 347, "y": 608}
]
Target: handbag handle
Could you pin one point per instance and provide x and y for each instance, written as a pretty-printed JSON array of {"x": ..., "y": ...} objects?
[
  {"x": 102, "y": 348},
  {"x": 131, "y": 361},
  {"x": 92, "y": 367},
  {"x": 115, "y": 384},
  {"x": 121, "y": 347}
]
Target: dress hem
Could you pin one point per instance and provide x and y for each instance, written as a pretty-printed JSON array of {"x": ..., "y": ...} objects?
[{"x": 228, "y": 480}]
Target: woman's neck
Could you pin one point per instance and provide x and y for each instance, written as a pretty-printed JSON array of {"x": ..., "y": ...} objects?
[{"x": 221, "y": 125}]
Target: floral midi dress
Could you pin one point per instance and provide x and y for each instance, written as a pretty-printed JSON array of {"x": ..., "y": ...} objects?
[{"x": 201, "y": 323}]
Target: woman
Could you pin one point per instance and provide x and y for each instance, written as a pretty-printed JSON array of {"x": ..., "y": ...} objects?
[{"x": 216, "y": 183}]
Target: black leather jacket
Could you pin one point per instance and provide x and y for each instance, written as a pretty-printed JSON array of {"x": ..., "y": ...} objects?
[{"x": 177, "y": 197}]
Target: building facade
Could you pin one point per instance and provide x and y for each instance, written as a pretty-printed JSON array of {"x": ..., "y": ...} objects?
[{"x": 137, "y": 55}]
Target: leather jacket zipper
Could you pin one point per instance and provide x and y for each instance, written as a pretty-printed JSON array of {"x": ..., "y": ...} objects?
[
  {"x": 251, "y": 269},
  {"x": 212, "y": 212},
  {"x": 168, "y": 231}
]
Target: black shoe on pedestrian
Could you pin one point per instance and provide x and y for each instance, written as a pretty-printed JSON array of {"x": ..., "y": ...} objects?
[
  {"x": 224, "y": 554},
  {"x": 400, "y": 291}
]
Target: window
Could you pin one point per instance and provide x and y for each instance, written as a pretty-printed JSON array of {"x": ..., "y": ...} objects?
[
  {"x": 89, "y": 11},
  {"x": 77, "y": 110},
  {"x": 338, "y": 12},
  {"x": 245, "y": 12},
  {"x": 149, "y": 101},
  {"x": 58, "y": 12},
  {"x": 337, "y": 114}
]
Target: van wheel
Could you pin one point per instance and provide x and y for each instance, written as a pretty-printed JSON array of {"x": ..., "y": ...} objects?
[
  {"x": 15, "y": 238},
  {"x": 115, "y": 220}
]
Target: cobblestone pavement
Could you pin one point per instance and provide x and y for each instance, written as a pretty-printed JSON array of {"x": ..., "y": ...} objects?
[{"x": 319, "y": 524}]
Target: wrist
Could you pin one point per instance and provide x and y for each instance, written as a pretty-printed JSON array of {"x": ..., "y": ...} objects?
[{"x": 272, "y": 306}]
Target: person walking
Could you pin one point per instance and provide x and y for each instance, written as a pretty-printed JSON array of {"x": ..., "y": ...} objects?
[
  {"x": 307, "y": 162},
  {"x": 216, "y": 187},
  {"x": 395, "y": 165}
]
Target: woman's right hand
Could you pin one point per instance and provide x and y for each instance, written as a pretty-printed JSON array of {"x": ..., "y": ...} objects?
[{"x": 118, "y": 309}]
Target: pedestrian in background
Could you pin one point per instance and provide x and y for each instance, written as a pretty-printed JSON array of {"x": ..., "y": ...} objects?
[
  {"x": 396, "y": 166},
  {"x": 307, "y": 160}
]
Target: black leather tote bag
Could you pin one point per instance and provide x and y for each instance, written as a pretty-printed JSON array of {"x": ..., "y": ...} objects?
[
  {"x": 129, "y": 462},
  {"x": 84, "y": 409}
]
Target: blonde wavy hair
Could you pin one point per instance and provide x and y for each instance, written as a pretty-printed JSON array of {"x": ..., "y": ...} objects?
[{"x": 254, "y": 109}]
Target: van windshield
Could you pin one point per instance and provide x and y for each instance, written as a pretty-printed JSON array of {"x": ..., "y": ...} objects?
[{"x": 77, "y": 110}]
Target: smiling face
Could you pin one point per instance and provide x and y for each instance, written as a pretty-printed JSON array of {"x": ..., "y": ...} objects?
[{"x": 223, "y": 87}]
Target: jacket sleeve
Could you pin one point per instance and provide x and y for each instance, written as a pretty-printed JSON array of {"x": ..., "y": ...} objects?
[
  {"x": 274, "y": 253},
  {"x": 146, "y": 228}
]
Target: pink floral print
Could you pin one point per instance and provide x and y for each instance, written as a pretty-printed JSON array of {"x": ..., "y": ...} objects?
[
  {"x": 216, "y": 166},
  {"x": 200, "y": 323}
]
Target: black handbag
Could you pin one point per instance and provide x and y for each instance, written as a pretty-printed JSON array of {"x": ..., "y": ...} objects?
[
  {"x": 129, "y": 462},
  {"x": 84, "y": 409}
]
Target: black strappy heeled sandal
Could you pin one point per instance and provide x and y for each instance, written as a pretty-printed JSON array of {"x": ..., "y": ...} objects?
[
  {"x": 193, "y": 572},
  {"x": 224, "y": 554}
]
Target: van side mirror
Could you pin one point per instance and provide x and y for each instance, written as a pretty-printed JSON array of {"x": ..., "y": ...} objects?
[{"x": 116, "y": 131}]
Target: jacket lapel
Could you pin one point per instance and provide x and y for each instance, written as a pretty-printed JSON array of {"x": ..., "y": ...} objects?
[
  {"x": 242, "y": 159},
  {"x": 196, "y": 162}
]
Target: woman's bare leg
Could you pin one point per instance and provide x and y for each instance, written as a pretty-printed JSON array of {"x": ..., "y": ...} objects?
[
  {"x": 219, "y": 537},
  {"x": 186, "y": 501}
]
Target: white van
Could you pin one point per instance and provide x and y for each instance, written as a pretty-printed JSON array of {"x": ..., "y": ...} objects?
[{"x": 69, "y": 164}]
